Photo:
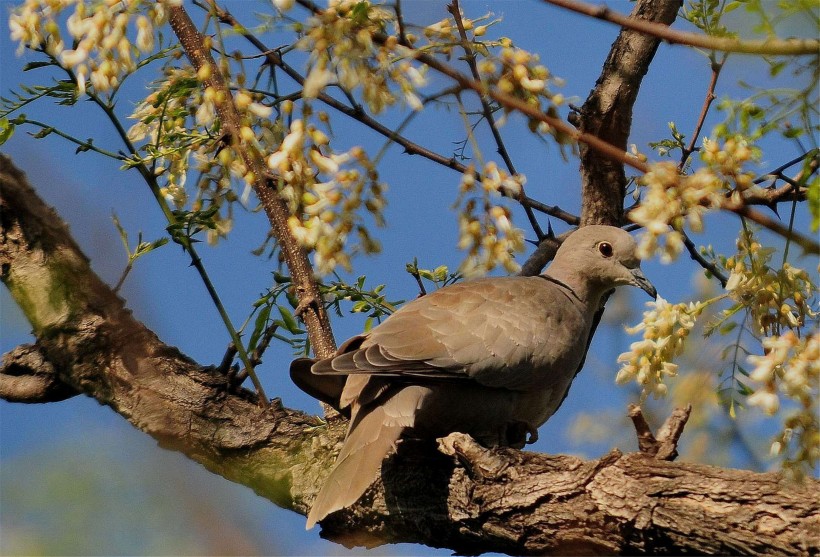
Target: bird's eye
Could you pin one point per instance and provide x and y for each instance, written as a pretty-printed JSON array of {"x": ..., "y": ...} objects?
[{"x": 605, "y": 248}]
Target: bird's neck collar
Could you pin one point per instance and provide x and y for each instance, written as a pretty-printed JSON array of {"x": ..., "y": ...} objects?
[
  {"x": 577, "y": 289},
  {"x": 563, "y": 285}
]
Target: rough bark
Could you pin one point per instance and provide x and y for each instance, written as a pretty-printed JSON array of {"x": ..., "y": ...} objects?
[
  {"x": 461, "y": 496},
  {"x": 607, "y": 113}
]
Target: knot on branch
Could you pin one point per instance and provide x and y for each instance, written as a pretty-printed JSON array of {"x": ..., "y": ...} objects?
[{"x": 26, "y": 376}]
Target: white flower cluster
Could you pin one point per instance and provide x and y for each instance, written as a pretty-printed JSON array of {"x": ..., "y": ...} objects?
[
  {"x": 790, "y": 367},
  {"x": 489, "y": 238},
  {"x": 324, "y": 214},
  {"x": 776, "y": 299},
  {"x": 177, "y": 127},
  {"x": 518, "y": 72},
  {"x": 673, "y": 201},
  {"x": 342, "y": 50},
  {"x": 665, "y": 327},
  {"x": 788, "y": 363},
  {"x": 102, "y": 50}
]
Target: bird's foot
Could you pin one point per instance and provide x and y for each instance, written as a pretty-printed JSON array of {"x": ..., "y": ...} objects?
[{"x": 518, "y": 434}]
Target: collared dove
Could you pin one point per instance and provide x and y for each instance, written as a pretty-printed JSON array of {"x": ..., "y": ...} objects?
[{"x": 492, "y": 357}]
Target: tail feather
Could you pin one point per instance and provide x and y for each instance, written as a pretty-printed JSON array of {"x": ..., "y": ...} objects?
[
  {"x": 372, "y": 437},
  {"x": 327, "y": 388},
  {"x": 357, "y": 467}
]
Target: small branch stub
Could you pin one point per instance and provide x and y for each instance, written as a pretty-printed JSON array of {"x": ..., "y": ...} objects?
[{"x": 665, "y": 445}]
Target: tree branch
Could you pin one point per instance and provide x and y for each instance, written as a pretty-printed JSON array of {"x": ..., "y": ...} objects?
[
  {"x": 707, "y": 103},
  {"x": 487, "y": 111},
  {"x": 607, "y": 113},
  {"x": 770, "y": 47},
  {"x": 809, "y": 245},
  {"x": 519, "y": 503},
  {"x": 313, "y": 315}
]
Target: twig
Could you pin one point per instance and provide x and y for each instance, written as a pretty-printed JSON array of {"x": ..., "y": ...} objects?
[
  {"x": 783, "y": 47},
  {"x": 357, "y": 113},
  {"x": 670, "y": 432},
  {"x": 708, "y": 265},
  {"x": 552, "y": 210},
  {"x": 227, "y": 359},
  {"x": 809, "y": 245},
  {"x": 314, "y": 317},
  {"x": 185, "y": 242},
  {"x": 646, "y": 439},
  {"x": 417, "y": 276},
  {"x": 772, "y": 196},
  {"x": 511, "y": 102},
  {"x": 707, "y": 102},
  {"x": 487, "y": 110},
  {"x": 815, "y": 153}
]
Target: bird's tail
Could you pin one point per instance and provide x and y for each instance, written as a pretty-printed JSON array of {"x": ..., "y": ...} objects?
[{"x": 372, "y": 437}]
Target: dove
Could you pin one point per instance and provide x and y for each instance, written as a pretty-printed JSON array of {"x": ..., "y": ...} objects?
[{"x": 492, "y": 357}]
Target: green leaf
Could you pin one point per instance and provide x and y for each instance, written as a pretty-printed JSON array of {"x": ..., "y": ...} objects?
[
  {"x": 43, "y": 133},
  {"x": 146, "y": 247},
  {"x": 813, "y": 197},
  {"x": 259, "y": 326},
  {"x": 727, "y": 328},
  {"x": 123, "y": 233},
  {"x": 731, "y": 6},
  {"x": 289, "y": 321},
  {"x": 6, "y": 130},
  {"x": 279, "y": 278},
  {"x": 35, "y": 65}
]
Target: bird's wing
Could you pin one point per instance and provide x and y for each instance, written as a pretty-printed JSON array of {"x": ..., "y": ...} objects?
[{"x": 493, "y": 331}]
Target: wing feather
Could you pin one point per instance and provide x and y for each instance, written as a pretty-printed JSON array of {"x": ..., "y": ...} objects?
[{"x": 484, "y": 330}]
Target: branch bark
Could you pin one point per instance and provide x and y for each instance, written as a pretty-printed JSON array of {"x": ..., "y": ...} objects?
[
  {"x": 471, "y": 501},
  {"x": 607, "y": 113}
]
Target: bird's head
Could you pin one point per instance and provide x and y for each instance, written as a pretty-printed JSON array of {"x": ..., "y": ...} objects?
[{"x": 605, "y": 256}]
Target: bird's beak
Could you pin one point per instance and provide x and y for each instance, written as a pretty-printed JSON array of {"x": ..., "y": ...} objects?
[{"x": 643, "y": 283}]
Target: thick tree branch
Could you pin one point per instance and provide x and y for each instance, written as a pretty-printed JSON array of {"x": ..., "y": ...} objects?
[{"x": 92, "y": 344}]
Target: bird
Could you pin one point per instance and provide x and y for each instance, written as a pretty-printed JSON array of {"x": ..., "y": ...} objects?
[{"x": 491, "y": 357}]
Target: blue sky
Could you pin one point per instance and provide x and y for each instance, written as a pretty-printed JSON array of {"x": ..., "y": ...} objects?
[{"x": 165, "y": 293}]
